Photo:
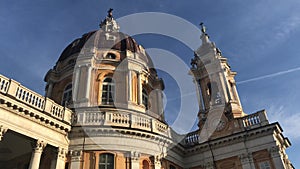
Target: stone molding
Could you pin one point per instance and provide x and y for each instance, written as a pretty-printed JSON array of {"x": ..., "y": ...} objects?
[
  {"x": 232, "y": 139},
  {"x": 34, "y": 115}
]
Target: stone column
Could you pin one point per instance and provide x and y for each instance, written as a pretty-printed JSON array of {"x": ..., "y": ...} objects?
[
  {"x": 135, "y": 160},
  {"x": 140, "y": 89},
  {"x": 3, "y": 130},
  {"x": 247, "y": 161},
  {"x": 129, "y": 88},
  {"x": 276, "y": 156},
  {"x": 36, "y": 154},
  {"x": 88, "y": 82},
  {"x": 159, "y": 103},
  {"x": 199, "y": 94},
  {"x": 76, "y": 159},
  {"x": 76, "y": 83}
]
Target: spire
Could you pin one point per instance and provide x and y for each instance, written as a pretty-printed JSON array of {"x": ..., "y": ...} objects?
[{"x": 109, "y": 24}]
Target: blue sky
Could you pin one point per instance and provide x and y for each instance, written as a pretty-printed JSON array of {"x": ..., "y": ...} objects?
[{"x": 259, "y": 38}]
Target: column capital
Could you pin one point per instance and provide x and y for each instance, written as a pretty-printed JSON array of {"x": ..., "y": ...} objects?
[
  {"x": 134, "y": 155},
  {"x": 39, "y": 146},
  {"x": 36, "y": 154},
  {"x": 275, "y": 151},
  {"x": 61, "y": 153},
  {"x": 76, "y": 155},
  {"x": 3, "y": 130},
  {"x": 209, "y": 165},
  {"x": 246, "y": 158}
]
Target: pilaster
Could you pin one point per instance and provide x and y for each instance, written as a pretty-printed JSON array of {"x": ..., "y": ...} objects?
[
  {"x": 209, "y": 165},
  {"x": 60, "y": 158},
  {"x": 76, "y": 159},
  {"x": 276, "y": 156},
  {"x": 156, "y": 162},
  {"x": 140, "y": 89},
  {"x": 247, "y": 161},
  {"x": 129, "y": 94},
  {"x": 135, "y": 159}
]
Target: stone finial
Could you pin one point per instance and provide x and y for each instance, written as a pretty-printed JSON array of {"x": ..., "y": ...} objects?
[{"x": 203, "y": 28}]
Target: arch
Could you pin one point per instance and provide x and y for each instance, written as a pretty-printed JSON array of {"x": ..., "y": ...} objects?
[
  {"x": 67, "y": 95},
  {"x": 106, "y": 161},
  {"x": 172, "y": 166},
  {"x": 108, "y": 91},
  {"x": 146, "y": 164}
]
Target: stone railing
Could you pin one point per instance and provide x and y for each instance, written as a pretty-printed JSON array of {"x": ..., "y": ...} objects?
[
  {"x": 247, "y": 122},
  {"x": 122, "y": 119},
  {"x": 15, "y": 90},
  {"x": 192, "y": 138},
  {"x": 254, "y": 120}
]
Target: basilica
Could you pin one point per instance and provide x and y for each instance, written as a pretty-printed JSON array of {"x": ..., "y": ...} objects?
[{"x": 103, "y": 109}]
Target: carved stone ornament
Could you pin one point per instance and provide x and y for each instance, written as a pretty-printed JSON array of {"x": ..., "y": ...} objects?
[
  {"x": 275, "y": 151},
  {"x": 246, "y": 158},
  {"x": 61, "y": 153},
  {"x": 3, "y": 130},
  {"x": 76, "y": 155},
  {"x": 39, "y": 146},
  {"x": 135, "y": 155}
]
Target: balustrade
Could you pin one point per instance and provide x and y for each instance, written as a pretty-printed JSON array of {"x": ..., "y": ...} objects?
[
  {"x": 4, "y": 83},
  {"x": 192, "y": 138},
  {"x": 22, "y": 94},
  {"x": 253, "y": 120},
  {"x": 122, "y": 119}
]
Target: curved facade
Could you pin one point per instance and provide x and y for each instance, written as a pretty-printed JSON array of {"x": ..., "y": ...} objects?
[
  {"x": 103, "y": 109},
  {"x": 110, "y": 83}
]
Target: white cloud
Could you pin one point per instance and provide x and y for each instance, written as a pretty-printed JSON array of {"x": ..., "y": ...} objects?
[{"x": 289, "y": 121}]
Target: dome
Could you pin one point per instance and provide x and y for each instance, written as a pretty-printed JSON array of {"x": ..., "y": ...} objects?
[{"x": 120, "y": 42}]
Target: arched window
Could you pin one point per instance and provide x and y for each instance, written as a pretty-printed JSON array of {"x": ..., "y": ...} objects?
[
  {"x": 146, "y": 164},
  {"x": 67, "y": 95},
  {"x": 172, "y": 167},
  {"x": 106, "y": 161},
  {"x": 108, "y": 91},
  {"x": 110, "y": 56},
  {"x": 145, "y": 98}
]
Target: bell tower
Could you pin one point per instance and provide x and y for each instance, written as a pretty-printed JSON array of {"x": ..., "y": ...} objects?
[{"x": 215, "y": 83}]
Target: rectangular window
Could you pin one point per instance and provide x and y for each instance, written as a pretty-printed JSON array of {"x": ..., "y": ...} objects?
[
  {"x": 264, "y": 165},
  {"x": 106, "y": 161}
]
